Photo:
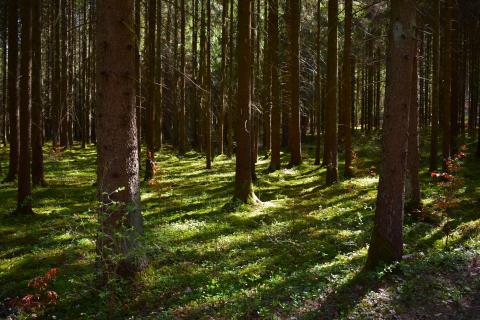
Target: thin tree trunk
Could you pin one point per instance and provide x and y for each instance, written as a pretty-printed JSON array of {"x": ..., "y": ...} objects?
[
  {"x": 150, "y": 90},
  {"x": 347, "y": 88},
  {"x": 435, "y": 85},
  {"x": 13, "y": 91}
]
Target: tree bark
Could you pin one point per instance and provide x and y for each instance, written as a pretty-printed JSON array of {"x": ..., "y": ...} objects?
[
  {"x": 275, "y": 94},
  {"x": 13, "y": 115},
  {"x": 243, "y": 177},
  {"x": 294, "y": 131},
  {"x": 435, "y": 85},
  {"x": 387, "y": 239},
  {"x": 331, "y": 143},
  {"x": 347, "y": 88},
  {"x": 413, "y": 158},
  {"x": 24, "y": 205},
  {"x": 38, "y": 175},
  {"x": 117, "y": 169}
]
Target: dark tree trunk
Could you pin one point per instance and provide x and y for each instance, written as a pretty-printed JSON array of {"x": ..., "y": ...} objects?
[
  {"x": 24, "y": 205},
  {"x": 387, "y": 239},
  {"x": 294, "y": 131},
  {"x": 38, "y": 177},
  {"x": 117, "y": 169},
  {"x": 243, "y": 173},
  {"x": 13, "y": 90},
  {"x": 447, "y": 84},
  {"x": 347, "y": 88},
  {"x": 150, "y": 90},
  {"x": 413, "y": 159},
  {"x": 331, "y": 143},
  {"x": 435, "y": 85},
  {"x": 274, "y": 66}
]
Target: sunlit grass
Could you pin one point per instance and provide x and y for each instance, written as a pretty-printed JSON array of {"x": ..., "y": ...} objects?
[{"x": 298, "y": 253}]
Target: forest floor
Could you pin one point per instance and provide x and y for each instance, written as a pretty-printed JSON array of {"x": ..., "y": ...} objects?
[{"x": 298, "y": 255}]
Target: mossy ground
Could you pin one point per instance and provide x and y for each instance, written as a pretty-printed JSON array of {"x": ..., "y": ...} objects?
[{"x": 298, "y": 254}]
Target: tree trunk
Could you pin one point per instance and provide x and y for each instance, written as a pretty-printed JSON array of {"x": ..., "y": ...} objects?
[
  {"x": 13, "y": 90},
  {"x": 150, "y": 90},
  {"x": 243, "y": 176},
  {"x": 275, "y": 94},
  {"x": 413, "y": 158},
  {"x": 447, "y": 84},
  {"x": 117, "y": 169},
  {"x": 38, "y": 176},
  {"x": 331, "y": 143},
  {"x": 387, "y": 239},
  {"x": 347, "y": 88},
  {"x": 435, "y": 85},
  {"x": 294, "y": 131},
  {"x": 24, "y": 205}
]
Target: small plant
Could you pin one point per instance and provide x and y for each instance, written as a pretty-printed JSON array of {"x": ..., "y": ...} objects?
[
  {"x": 450, "y": 184},
  {"x": 42, "y": 297}
]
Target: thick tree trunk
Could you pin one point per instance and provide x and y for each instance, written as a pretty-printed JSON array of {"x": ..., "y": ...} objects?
[
  {"x": 24, "y": 205},
  {"x": 117, "y": 169},
  {"x": 294, "y": 134},
  {"x": 13, "y": 90},
  {"x": 243, "y": 176},
  {"x": 387, "y": 239},
  {"x": 38, "y": 176},
  {"x": 331, "y": 143}
]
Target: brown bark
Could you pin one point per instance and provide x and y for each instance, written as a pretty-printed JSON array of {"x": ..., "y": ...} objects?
[
  {"x": 447, "y": 84},
  {"x": 387, "y": 238},
  {"x": 223, "y": 77},
  {"x": 13, "y": 91},
  {"x": 243, "y": 177},
  {"x": 347, "y": 88},
  {"x": 294, "y": 130},
  {"x": 117, "y": 168},
  {"x": 331, "y": 143},
  {"x": 150, "y": 90},
  {"x": 38, "y": 175},
  {"x": 24, "y": 205},
  {"x": 275, "y": 94},
  {"x": 435, "y": 85},
  {"x": 413, "y": 158},
  {"x": 182, "y": 128}
]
